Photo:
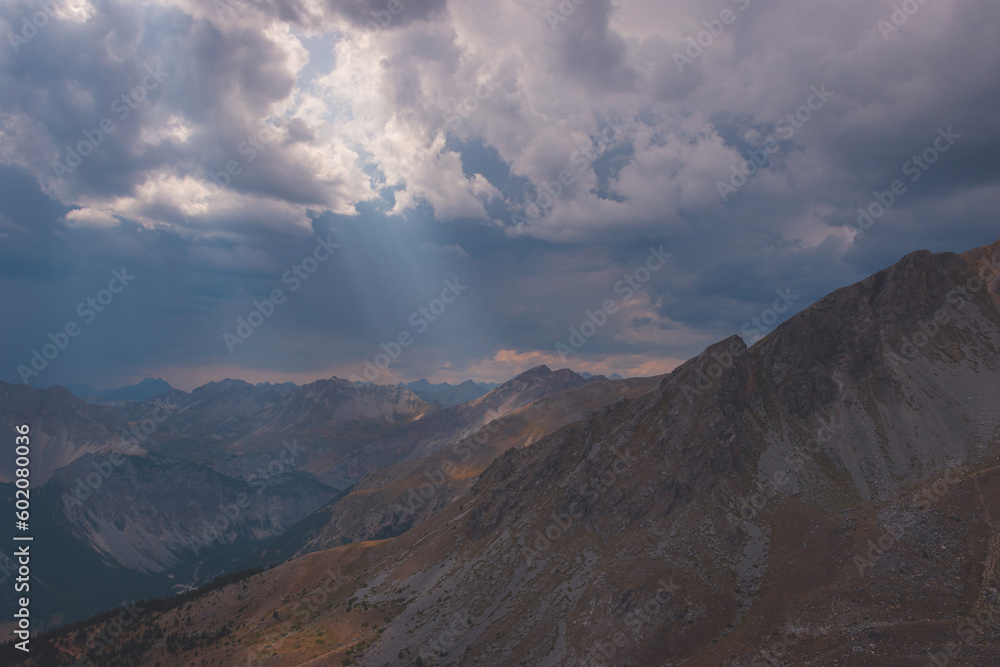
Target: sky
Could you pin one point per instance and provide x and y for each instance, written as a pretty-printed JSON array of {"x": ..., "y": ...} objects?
[{"x": 603, "y": 186}]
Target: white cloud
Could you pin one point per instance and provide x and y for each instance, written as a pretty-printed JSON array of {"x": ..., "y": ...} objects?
[
  {"x": 91, "y": 217},
  {"x": 390, "y": 100}
]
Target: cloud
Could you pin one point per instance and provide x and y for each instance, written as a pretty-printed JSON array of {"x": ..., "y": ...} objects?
[
  {"x": 537, "y": 158},
  {"x": 89, "y": 217}
]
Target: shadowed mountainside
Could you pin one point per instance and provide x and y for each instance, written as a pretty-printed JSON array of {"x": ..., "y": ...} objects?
[{"x": 389, "y": 501}]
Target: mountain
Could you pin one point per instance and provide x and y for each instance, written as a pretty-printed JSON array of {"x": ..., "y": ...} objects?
[
  {"x": 449, "y": 395},
  {"x": 141, "y": 526},
  {"x": 63, "y": 428},
  {"x": 330, "y": 418},
  {"x": 129, "y": 488},
  {"x": 441, "y": 429},
  {"x": 613, "y": 376},
  {"x": 389, "y": 501},
  {"x": 279, "y": 386},
  {"x": 143, "y": 391},
  {"x": 825, "y": 497},
  {"x": 335, "y": 421},
  {"x": 81, "y": 391}
]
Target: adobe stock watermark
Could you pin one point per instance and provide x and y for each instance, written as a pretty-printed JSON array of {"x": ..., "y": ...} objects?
[
  {"x": 966, "y": 630},
  {"x": 459, "y": 623},
  {"x": 463, "y": 451},
  {"x": 706, "y": 38},
  {"x": 88, "y": 310},
  {"x": 122, "y": 107},
  {"x": 753, "y": 329},
  {"x": 829, "y": 426},
  {"x": 105, "y": 468},
  {"x": 231, "y": 515},
  {"x": 30, "y": 28},
  {"x": 784, "y": 129},
  {"x": 217, "y": 529},
  {"x": 383, "y": 17},
  {"x": 293, "y": 277},
  {"x": 267, "y": 475},
  {"x": 899, "y": 17},
  {"x": 566, "y": 9},
  {"x": 924, "y": 500},
  {"x": 249, "y": 149},
  {"x": 230, "y": 10},
  {"x": 590, "y": 491},
  {"x": 420, "y": 320},
  {"x": 558, "y": 525},
  {"x": 582, "y": 159},
  {"x": 915, "y": 167},
  {"x": 452, "y": 117},
  {"x": 627, "y": 286},
  {"x": 644, "y": 615},
  {"x": 777, "y": 653},
  {"x": 464, "y": 108},
  {"x": 748, "y": 506},
  {"x": 955, "y": 300},
  {"x": 317, "y": 601}
]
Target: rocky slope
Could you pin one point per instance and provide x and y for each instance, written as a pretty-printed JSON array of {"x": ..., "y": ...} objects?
[
  {"x": 63, "y": 428},
  {"x": 117, "y": 527},
  {"x": 389, "y": 501},
  {"x": 444, "y": 428}
]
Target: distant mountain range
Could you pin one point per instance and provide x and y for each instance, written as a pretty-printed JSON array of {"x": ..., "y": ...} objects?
[
  {"x": 613, "y": 376},
  {"x": 444, "y": 393},
  {"x": 449, "y": 394},
  {"x": 143, "y": 391}
]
